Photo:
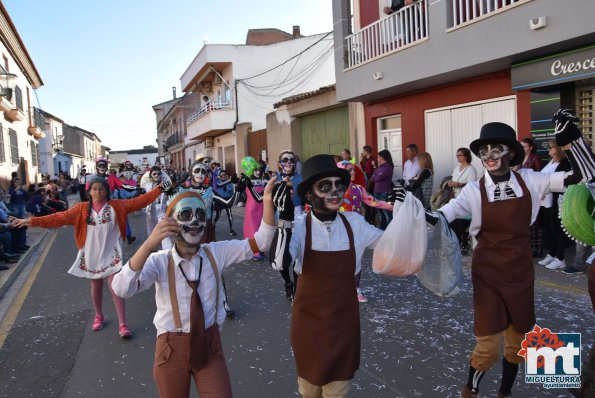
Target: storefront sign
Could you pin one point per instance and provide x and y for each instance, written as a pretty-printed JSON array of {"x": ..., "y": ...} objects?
[{"x": 554, "y": 69}]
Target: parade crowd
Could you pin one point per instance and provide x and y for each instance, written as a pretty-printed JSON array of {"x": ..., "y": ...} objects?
[{"x": 313, "y": 223}]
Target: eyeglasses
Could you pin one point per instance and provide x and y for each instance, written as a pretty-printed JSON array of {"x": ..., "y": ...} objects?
[
  {"x": 102, "y": 166},
  {"x": 187, "y": 214},
  {"x": 493, "y": 152},
  {"x": 288, "y": 160}
]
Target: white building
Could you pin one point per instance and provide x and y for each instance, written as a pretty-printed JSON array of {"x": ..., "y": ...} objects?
[
  {"x": 20, "y": 129},
  {"x": 140, "y": 158},
  {"x": 238, "y": 84}
]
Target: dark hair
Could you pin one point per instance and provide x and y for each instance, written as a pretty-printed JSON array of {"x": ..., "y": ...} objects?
[
  {"x": 368, "y": 149},
  {"x": 155, "y": 168},
  {"x": 348, "y": 151},
  {"x": 466, "y": 153},
  {"x": 96, "y": 180},
  {"x": 531, "y": 143},
  {"x": 13, "y": 183},
  {"x": 337, "y": 158},
  {"x": 413, "y": 147},
  {"x": 386, "y": 156}
]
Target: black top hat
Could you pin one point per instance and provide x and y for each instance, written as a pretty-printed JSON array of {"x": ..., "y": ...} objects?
[
  {"x": 499, "y": 133},
  {"x": 317, "y": 167}
]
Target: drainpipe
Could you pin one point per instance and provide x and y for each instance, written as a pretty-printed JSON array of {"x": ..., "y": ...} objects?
[{"x": 235, "y": 94}]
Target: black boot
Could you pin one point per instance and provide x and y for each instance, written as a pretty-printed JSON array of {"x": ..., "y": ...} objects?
[
  {"x": 471, "y": 389},
  {"x": 509, "y": 372},
  {"x": 289, "y": 291}
]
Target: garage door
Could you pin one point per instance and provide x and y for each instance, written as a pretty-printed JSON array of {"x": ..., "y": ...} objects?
[
  {"x": 448, "y": 129},
  {"x": 325, "y": 132}
]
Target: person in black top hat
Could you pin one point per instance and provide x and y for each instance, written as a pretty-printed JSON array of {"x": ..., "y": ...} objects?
[
  {"x": 326, "y": 248},
  {"x": 502, "y": 205}
]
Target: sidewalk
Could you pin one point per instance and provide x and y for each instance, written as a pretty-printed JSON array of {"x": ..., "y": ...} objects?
[{"x": 36, "y": 238}]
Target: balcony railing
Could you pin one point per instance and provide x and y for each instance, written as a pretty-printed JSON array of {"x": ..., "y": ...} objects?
[
  {"x": 210, "y": 107},
  {"x": 400, "y": 29},
  {"x": 468, "y": 10}
]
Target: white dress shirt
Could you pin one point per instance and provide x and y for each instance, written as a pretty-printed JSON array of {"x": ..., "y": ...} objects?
[
  {"x": 332, "y": 236},
  {"x": 410, "y": 169},
  {"x": 468, "y": 203},
  {"x": 128, "y": 282}
]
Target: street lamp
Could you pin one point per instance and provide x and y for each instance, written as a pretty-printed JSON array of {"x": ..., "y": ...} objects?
[{"x": 7, "y": 83}]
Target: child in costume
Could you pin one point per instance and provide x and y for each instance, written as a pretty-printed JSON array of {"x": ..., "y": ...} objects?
[
  {"x": 226, "y": 189},
  {"x": 188, "y": 286},
  {"x": 156, "y": 210},
  {"x": 99, "y": 226},
  {"x": 255, "y": 184},
  {"x": 502, "y": 205}
]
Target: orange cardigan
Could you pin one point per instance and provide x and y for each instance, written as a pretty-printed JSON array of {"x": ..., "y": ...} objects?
[{"x": 77, "y": 215}]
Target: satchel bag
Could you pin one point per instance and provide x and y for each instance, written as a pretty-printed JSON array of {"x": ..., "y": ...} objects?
[
  {"x": 441, "y": 272},
  {"x": 401, "y": 249}
]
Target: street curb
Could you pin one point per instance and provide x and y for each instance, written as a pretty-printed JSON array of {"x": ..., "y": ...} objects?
[{"x": 16, "y": 269}]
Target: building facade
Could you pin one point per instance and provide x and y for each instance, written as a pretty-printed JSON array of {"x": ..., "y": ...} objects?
[
  {"x": 433, "y": 72},
  {"x": 237, "y": 85},
  {"x": 20, "y": 129}
]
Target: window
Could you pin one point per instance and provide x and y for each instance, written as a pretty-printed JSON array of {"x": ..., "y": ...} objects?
[
  {"x": 33, "y": 157},
  {"x": 18, "y": 97},
  {"x": 2, "y": 153},
  {"x": 14, "y": 146}
]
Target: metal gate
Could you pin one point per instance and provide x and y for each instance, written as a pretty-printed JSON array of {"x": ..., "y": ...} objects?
[{"x": 325, "y": 132}]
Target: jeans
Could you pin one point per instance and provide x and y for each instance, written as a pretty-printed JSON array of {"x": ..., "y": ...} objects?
[{"x": 385, "y": 215}]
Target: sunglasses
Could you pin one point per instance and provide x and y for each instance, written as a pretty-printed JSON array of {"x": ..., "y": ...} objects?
[
  {"x": 187, "y": 214},
  {"x": 288, "y": 160}
]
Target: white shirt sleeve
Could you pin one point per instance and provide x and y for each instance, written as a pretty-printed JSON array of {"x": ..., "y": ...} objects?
[
  {"x": 127, "y": 282},
  {"x": 459, "y": 207}
]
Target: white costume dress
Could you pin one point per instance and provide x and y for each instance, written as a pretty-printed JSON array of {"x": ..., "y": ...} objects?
[{"x": 102, "y": 254}]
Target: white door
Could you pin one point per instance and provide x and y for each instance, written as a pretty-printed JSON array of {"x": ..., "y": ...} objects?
[
  {"x": 448, "y": 129},
  {"x": 389, "y": 137}
]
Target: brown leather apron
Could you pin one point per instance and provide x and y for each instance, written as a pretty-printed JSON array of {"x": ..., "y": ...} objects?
[
  {"x": 502, "y": 265},
  {"x": 325, "y": 327}
]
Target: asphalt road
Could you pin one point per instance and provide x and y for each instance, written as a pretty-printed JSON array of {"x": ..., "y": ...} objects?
[{"x": 414, "y": 344}]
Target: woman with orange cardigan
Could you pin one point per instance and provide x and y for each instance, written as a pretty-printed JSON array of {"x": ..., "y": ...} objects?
[{"x": 99, "y": 226}]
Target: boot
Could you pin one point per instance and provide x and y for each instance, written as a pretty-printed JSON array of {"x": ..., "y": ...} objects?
[
  {"x": 471, "y": 389},
  {"x": 289, "y": 291},
  {"x": 509, "y": 372}
]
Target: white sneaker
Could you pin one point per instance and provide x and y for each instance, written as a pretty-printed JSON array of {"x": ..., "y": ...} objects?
[
  {"x": 546, "y": 260},
  {"x": 556, "y": 264}
]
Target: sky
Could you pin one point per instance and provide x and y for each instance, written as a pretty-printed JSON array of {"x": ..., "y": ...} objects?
[{"x": 104, "y": 64}]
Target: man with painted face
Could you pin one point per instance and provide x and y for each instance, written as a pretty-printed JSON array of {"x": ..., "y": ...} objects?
[
  {"x": 502, "y": 205},
  {"x": 199, "y": 183},
  {"x": 130, "y": 176},
  {"x": 326, "y": 247},
  {"x": 188, "y": 296}
]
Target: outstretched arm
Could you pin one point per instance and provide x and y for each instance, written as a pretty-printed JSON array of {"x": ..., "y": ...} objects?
[{"x": 570, "y": 139}]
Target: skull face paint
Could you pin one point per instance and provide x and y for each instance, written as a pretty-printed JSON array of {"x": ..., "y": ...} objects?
[
  {"x": 495, "y": 158},
  {"x": 156, "y": 176},
  {"x": 190, "y": 213},
  {"x": 287, "y": 161},
  {"x": 257, "y": 174},
  {"x": 327, "y": 194},
  {"x": 199, "y": 172},
  {"x": 101, "y": 168}
]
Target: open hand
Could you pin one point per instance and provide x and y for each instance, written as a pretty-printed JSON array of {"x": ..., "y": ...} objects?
[
  {"x": 21, "y": 222},
  {"x": 165, "y": 185},
  {"x": 167, "y": 227},
  {"x": 397, "y": 195},
  {"x": 283, "y": 201}
]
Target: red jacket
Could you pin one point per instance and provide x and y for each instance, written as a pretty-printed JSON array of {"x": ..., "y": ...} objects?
[{"x": 77, "y": 215}]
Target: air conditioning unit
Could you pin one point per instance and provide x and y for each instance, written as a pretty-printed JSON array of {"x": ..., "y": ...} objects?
[{"x": 208, "y": 142}]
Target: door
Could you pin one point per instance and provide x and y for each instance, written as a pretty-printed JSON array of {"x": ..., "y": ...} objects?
[
  {"x": 229, "y": 157},
  {"x": 448, "y": 129},
  {"x": 390, "y": 138},
  {"x": 325, "y": 132}
]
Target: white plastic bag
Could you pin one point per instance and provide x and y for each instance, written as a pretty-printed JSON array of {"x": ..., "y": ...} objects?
[
  {"x": 401, "y": 249},
  {"x": 441, "y": 272}
]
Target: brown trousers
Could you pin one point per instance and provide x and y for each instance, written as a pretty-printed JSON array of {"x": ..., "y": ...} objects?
[
  {"x": 172, "y": 372},
  {"x": 487, "y": 348}
]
